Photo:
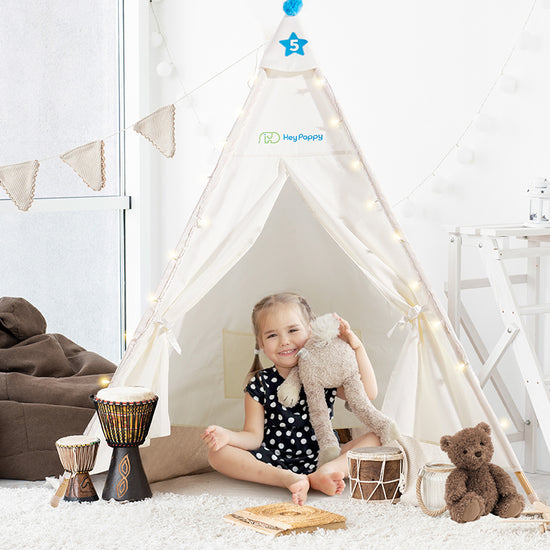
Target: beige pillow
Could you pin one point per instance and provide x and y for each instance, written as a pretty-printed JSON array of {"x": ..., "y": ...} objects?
[{"x": 181, "y": 453}]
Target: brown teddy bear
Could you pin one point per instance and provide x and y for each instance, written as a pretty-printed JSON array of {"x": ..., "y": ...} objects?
[{"x": 476, "y": 487}]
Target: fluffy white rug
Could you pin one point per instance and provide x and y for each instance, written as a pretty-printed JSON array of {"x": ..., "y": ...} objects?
[{"x": 168, "y": 520}]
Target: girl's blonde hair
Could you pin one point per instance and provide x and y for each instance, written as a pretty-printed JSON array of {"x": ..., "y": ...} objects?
[{"x": 264, "y": 305}]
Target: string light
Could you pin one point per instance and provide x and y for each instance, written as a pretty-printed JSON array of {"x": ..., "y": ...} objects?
[
  {"x": 461, "y": 367},
  {"x": 173, "y": 254},
  {"x": 499, "y": 80},
  {"x": 371, "y": 204},
  {"x": 319, "y": 81},
  {"x": 335, "y": 122},
  {"x": 152, "y": 298},
  {"x": 203, "y": 223},
  {"x": 186, "y": 94},
  {"x": 356, "y": 164},
  {"x": 436, "y": 325}
]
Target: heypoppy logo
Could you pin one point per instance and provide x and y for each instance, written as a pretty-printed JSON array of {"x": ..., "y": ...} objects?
[{"x": 269, "y": 137}]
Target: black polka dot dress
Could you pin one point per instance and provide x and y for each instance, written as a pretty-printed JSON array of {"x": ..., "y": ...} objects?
[{"x": 289, "y": 440}]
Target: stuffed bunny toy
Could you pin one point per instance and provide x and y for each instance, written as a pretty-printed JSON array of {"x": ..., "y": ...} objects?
[{"x": 326, "y": 361}]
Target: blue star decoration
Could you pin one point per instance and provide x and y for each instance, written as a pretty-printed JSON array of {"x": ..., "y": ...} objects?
[{"x": 293, "y": 44}]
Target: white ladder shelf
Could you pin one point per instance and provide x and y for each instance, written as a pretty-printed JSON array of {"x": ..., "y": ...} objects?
[{"x": 520, "y": 335}]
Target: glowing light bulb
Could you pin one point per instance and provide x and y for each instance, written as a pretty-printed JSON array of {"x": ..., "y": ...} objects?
[
  {"x": 461, "y": 367},
  {"x": 504, "y": 423},
  {"x": 414, "y": 285},
  {"x": 436, "y": 325},
  {"x": 252, "y": 80},
  {"x": 104, "y": 381},
  {"x": 319, "y": 81},
  {"x": 152, "y": 298},
  {"x": 203, "y": 223},
  {"x": 172, "y": 254},
  {"x": 370, "y": 204},
  {"x": 356, "y": 164},
  {"x": 397, "y": 236},
  {"x": 335, "y": 122}
]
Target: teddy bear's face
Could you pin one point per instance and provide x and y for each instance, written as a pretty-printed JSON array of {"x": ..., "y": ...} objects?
[{"x": 469, "y": 448}]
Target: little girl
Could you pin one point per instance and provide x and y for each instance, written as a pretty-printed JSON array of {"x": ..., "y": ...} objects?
[{"x": 277, "y": 445}]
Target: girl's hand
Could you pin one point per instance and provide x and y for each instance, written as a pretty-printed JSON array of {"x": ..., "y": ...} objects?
[
  {"x": 347, "y": 334},
  {"x": 215, "y": 437}
]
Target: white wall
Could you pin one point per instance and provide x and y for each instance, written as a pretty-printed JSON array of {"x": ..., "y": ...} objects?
[{"x": 409, "y": 76}]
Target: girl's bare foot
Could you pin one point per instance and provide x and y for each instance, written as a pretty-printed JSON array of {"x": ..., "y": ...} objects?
[
  {"x": 327, "y": 481},
  {"x": 299, "y": 490}
]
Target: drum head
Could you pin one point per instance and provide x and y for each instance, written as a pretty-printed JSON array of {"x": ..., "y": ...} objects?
[
  {"x": 375, "y": 453},
  {"x": 77, "y": 441},
  {"x": 125, "y": 394}
]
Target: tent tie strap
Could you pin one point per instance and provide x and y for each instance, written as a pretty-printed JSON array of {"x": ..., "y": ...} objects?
[
  {"x": 411, "y": 316},
  {"x": 171, "y": 337}
]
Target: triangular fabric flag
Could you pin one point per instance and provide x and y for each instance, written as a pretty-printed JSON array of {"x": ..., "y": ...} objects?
[
  {"x": 19, "y": 180},
  {"x": 88, "y": 161},
  {"x": 158, "y": 128}
]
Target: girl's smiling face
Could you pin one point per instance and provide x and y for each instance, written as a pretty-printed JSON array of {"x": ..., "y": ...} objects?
[{"x": 283, "y": 333}]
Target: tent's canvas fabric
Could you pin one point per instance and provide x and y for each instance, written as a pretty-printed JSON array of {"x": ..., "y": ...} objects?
[{"x": 293, "y": 206}]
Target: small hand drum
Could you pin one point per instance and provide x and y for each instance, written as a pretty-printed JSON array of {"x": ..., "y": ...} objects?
[
  {"x": 125, "y": 415},
  {"x": 375, "y": 473},
  {"x": 77, "y": 454}
]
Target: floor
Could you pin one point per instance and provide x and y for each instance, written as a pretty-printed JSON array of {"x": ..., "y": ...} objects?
[{"x": 217, "y": 484}]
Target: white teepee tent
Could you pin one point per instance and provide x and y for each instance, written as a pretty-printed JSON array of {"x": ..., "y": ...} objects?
[{"x": 292, "y": 205}]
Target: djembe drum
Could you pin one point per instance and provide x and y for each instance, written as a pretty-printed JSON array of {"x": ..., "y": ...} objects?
[
  {"x": 125, "y": 415},
  {"x": 375, "y": 473},
  {"x": 77, "y": 454}
]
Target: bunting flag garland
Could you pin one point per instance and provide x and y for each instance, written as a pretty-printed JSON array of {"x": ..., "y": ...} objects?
[
  {"x": 159, "y": 129},
  {"x": 19, "y": 181},
  {"x": 88, "y": 161}
]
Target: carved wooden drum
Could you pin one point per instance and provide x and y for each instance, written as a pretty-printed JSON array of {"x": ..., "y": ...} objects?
[
  {"x": 375, "y": 473},
  {"x": 77, "y": 454}
]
